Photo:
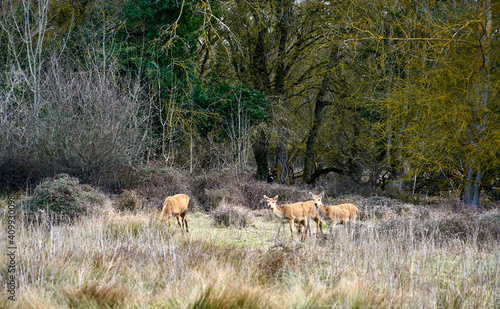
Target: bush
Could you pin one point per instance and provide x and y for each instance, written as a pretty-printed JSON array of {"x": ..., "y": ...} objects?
[
  {"x": 384, "y": 208},
  {"x": 231, "y": 215},
  {"x": 235, "y": 187},
  {"x": 153, "y": 184},
  {"x": 87, "y": 125},
  {"x": 129, "y": 200},
  {"x": 481, "y": 227},
  {"x": 63, "y": 199}
]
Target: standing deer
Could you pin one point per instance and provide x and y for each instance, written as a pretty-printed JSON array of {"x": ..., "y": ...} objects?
[
  {"x": 314, "y": 214},
  {"x": 176, "y": 205},
  {"x": 332, "y": 214},
  {"x": 353, "y": 210},
  {"x": 297, "y": 212}
]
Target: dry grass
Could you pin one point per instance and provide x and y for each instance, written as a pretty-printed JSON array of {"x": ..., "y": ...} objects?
[{"x": 132, "y": 260}]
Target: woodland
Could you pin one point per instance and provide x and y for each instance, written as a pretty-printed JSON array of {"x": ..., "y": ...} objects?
[{"x": 380, "y": 96}]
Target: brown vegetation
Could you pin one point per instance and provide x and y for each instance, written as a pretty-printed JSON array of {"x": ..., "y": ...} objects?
[{"x": 176, "y": 205}]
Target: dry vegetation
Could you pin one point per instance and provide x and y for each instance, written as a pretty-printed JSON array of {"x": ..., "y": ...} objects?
[{"x": 440, "y": 257}]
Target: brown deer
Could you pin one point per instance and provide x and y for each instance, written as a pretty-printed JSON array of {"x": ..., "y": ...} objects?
[
  {"x": 176, "y": 205},
  {"x": 296, "y": 212},
  {"x": 313, "y": 214},
  {"x": 332, "y": 214},
  {"x": 353, "y": 210}
]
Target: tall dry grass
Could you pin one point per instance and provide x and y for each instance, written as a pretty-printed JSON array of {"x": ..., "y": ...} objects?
[{"x": 131, "y": 260}]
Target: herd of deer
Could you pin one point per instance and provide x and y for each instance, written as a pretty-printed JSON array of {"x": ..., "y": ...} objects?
[
  {"x": 299, "y": 213},
  {"x": 302, "y": 212}
]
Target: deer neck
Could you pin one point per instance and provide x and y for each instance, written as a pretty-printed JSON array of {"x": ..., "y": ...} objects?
[
  {"x": 322, "y": 211},
  {"x": 278, "y": 212}
]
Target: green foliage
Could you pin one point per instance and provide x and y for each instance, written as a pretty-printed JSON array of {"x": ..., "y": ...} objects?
[
  {"x": 160, "y": 37},
  {"x": 227, "y": 106},
  {"x": 57, "y": 196}
]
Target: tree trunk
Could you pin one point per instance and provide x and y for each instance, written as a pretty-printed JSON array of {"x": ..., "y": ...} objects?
[
  {"x": 260, "y": 151},
  {"x": 319, "y": 107},
  {"x": 283, "y": 13},
  {"x": 282, "y": 167},
  {"x": 480, "y": 98}
]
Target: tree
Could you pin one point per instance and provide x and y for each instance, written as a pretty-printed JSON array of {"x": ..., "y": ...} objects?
[
  {"x": 445, "y": 111},
  {"x": 481, "y": 99},
  {"x": 159, "y": 43},
  {"x": 25, "y": 26},
  {"x": 231, "y": 114}
]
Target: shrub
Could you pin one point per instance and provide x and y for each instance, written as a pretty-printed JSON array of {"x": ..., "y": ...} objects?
[
  {"x": 63, "y": 199},
  {"x": 153, "y": 183},
  {"x": 384, "y": 208},
  {"x": 235, "y": 187},
  {"x": 481, "y": 227},
  {"x": 464, "y": 226},
  {"x": 128, "y": 200},
  {"x": 231, "y": 215}
]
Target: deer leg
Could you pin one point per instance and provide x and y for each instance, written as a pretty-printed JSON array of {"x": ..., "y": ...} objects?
[
  {"x": 319, "y": 226},
  {"x": 291, "y": 227},
  {"x": 185, "y": 221},
  {"x": 306, "y": 228},
  {"x": 279, "y": 228},
  {"x": 180, "y": 223}
]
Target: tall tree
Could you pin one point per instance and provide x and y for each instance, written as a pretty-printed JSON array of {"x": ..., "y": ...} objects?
[
  {"x": 480, "y": 100},
  {"x": 445, "y": 109}
]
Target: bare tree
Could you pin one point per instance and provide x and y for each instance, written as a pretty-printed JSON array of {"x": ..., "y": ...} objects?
[{"x": 26, "y": 35}]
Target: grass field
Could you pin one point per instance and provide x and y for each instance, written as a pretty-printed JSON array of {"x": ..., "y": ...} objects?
[{"x": 131, "y": 260}]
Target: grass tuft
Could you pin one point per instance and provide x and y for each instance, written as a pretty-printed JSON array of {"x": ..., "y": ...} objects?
[
  {"x": 232, "y": 296},
  {"x": 97, "y": 295}
]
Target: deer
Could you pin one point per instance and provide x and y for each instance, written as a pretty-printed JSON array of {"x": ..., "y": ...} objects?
[
  {"x": 353, "y": 210},
  {"x": 313, "y": 214},
  {"x": 333, "y": 214},
  {"x": 296, "y": 212},
  {"x": 176, "y": 205}
]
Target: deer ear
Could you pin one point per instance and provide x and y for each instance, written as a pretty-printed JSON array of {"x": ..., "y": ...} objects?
[
  {"x": 310, "y": 193},
  {"x": 276, "y": 198},
  {"x": 265, "y": 196},
  {"x": 322, "y": 194}
]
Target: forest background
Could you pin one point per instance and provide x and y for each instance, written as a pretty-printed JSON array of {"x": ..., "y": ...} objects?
[{"x": 366, "y": 97}]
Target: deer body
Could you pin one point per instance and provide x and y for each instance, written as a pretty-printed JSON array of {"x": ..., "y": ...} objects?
[
  {"x": 333, "y": 214},
  {"x": 353, "y": 211},
  {"x": 176, "y": 205},
  {"x": 296, "y": 212},
  {"x": 313, "y": 214}
]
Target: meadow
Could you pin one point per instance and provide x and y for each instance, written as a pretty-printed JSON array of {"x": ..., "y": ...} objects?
[{"x": 396, "y": 256}]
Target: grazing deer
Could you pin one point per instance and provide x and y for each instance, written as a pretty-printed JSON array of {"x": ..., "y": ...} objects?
[
  {"x": 176, "y": 205},
  {"x": 297, "y": 212},
  {"x": 332, "y": 214}
]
